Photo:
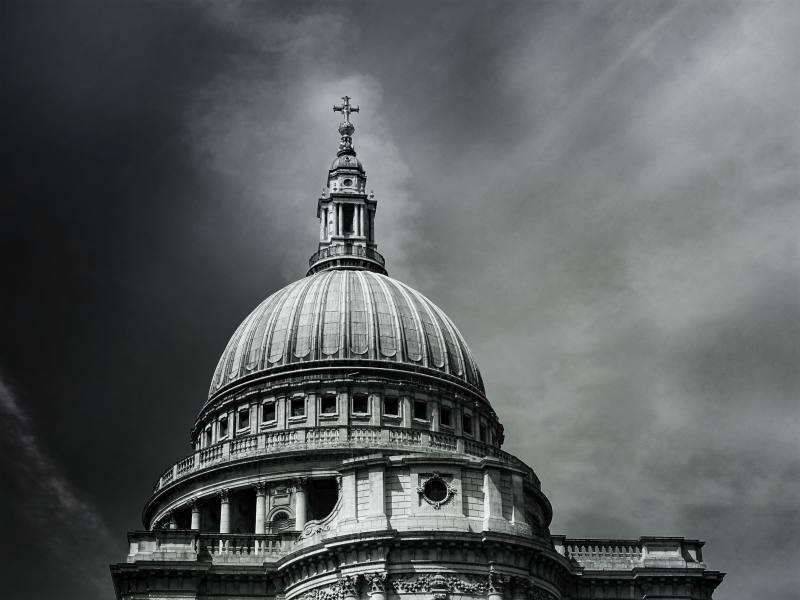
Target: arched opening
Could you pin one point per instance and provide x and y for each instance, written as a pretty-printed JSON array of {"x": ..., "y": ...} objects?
[{"x": 280, "y": 521}]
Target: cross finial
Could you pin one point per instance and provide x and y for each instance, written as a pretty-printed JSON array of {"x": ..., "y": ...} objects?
[{"x": 345, "y": 108}]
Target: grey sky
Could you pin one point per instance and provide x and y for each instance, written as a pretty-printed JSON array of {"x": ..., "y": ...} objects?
[{"x": 602, "y": 195}]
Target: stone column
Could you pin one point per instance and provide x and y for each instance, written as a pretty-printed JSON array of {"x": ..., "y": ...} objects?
[
  {"x": 339, "y": 227},
  {"x": 261, "y": 504},
  {"x": 195, "y": 507},
  {"x": 300, "y": 504},
  {"x": 224, "y": 512}
]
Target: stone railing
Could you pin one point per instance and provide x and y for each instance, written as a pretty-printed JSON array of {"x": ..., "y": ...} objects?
[
  {"x": 360, "y": 436},
  {"x": 346, "y": 250},
  {"x": 189, "y": 545},
  {"x": 610, "y": 555}
]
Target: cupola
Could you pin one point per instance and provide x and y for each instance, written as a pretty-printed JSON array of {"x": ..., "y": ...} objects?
[{"x": 346, "y": 212}]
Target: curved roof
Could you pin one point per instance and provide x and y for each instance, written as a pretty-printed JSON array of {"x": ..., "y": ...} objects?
[
  {"x": 346, "y": 161},
  {"x": 341, "y": 314}
]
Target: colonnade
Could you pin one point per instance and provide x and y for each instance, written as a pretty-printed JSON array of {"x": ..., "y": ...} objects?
[
  {"x": 261, "y": 509},
  {"x": 362, "y": 225}
]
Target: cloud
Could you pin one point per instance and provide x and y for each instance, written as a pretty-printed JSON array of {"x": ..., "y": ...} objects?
[{"x": 63, "y": 523}]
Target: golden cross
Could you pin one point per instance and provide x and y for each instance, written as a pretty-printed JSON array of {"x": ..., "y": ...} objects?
[{"x": 345, "y": 108}]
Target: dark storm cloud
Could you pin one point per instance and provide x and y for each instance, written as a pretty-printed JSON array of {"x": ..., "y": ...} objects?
[{"x": 603, "y": 195}]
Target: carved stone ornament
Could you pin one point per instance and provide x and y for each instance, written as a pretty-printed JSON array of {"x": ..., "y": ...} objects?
[
  {"x": 426, "y": 583},
  {"x": 377, "y": 583},
  {"x": 496, "y": 583},
  {"x": 349, "y": 585},
  {"x": 436, "y": 491}
]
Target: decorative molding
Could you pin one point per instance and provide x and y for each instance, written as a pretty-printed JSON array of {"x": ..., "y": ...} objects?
[
  {"x": 450, "y": 489},
  {"x": 427, "y": 582},
  {"x": 496, "y": 583},
  {"x": 349, "y": 586},
  {"x": 377, "y": 583}
]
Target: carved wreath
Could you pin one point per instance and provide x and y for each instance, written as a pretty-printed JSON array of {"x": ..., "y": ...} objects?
[{"x": 436, "y": 491}]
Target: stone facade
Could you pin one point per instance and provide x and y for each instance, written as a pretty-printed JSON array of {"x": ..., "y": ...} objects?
[{"x": 347, "y": 450}]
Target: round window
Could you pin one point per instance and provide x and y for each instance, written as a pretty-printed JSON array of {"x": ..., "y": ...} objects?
[
  {"x": 347, "y": 182},
  {"x": 435, "y": 490}
]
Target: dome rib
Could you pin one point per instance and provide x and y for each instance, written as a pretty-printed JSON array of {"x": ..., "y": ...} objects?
[{"x": 345, "y": 315}]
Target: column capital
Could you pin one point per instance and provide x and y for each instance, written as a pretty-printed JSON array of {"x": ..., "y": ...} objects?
[
  {"x": 377, "y": 582},
  {"x": 224, "y": 495},
  {"x": 260, "y": 488},
  {"x": 349, "y": 586},
  {"x": 193, "y": 504},
  {"x": 496, "y": 582}
]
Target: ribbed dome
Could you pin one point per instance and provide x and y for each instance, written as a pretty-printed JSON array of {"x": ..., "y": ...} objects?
[
  {"x": 351, "y": 315},
  {"x": 346, "y": 161}
]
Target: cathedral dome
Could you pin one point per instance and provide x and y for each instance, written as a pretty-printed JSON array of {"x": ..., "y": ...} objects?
[{"x": 340, "y": 317}]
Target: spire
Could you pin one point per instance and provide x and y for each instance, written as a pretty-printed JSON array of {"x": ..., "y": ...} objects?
[{"x": 345, "y": 211}]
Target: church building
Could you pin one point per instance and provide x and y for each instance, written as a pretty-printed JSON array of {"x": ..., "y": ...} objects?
[{"x": 347, "y": 451}]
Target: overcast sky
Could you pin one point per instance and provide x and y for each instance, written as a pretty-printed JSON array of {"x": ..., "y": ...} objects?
[{"x": 602, "y": 195}]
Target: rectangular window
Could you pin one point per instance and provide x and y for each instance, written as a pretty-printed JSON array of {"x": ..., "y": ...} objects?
[
  {"x": 243, "y": 418},
  {"x": 327, "y": 405},
  {"x": 223, "y": 427},
  {"x": 360, "y": 404},
  {"x": 391, "y": 407},
  {"x": 482, "y": 430},
  {"x": 268, "y": 412},
  {"x": 209, "y": 437},
  {"x": 348, "y": 212},
  {"x": 421, "y": 410},
  {"x": 446, "y": 416},
  {"x": 298, "y": 407},
  {"x": 466, "y": 423}
]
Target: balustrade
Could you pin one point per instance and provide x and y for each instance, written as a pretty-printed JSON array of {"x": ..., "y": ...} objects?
[
  {"x": 443, "y": 441},
  {"x": 332, "y": 437},
  {"x": 186, "y": 465}
]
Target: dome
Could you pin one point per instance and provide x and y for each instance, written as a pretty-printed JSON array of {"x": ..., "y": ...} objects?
[
  {"x": 346, "y": 161},
  {"x": 347, "y": 315}
]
